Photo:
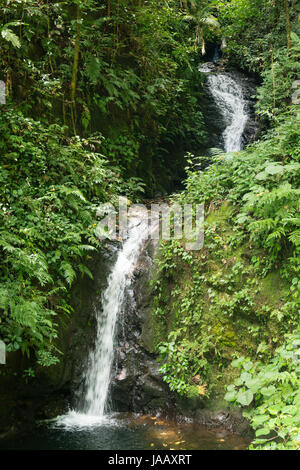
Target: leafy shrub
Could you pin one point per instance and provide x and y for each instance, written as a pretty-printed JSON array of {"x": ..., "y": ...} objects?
[
  {"x": 274, "y": 95},
  {"x": 51, "y": 186},
  {"x": 263, "y": 182},
  {"x": 271, "y": 393}
]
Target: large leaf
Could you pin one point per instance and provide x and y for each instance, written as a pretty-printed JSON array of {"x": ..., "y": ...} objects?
[
  {"x": 245, "y": 398},
  {"x": 9, "y": 36},
  {"x": 274, "y": 169}
]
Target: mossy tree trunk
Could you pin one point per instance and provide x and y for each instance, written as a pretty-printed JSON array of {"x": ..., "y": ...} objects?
[
  {"x": 288, "y": 23},
  {"x": 75, "y": 67}
]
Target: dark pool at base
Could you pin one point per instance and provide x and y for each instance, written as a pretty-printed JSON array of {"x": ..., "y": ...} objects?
[{"x": 128, "y": 432}]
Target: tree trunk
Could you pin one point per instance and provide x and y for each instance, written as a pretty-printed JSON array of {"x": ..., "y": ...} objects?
[
  {"x": 75, "y": 69},
  {"x": 288, "y": 23},
  {"x": 203, "y": 50},
  {"x": 273, "y": 80}
]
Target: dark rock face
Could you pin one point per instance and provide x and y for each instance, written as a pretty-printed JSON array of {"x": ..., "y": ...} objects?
[
  {"x": 136, "y": 382},
  {"x": 232, "y": 420}
]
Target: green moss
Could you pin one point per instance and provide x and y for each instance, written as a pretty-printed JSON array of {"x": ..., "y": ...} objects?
[
  {"x": 221, "y": 216},
  {"x": 225, "y": 334},
  {"x": 272, "y": 290}
]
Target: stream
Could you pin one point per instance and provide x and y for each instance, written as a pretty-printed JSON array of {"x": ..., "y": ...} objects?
[
  {"x": 93, "y": 424},
  {"x": 128, "y": 432}
]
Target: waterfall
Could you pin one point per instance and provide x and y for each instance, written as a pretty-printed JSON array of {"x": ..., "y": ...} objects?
[
  {"x": 94, "y": 409},
  {"x": 228, "y": 96},
  {"x": 98, "y": 374}
]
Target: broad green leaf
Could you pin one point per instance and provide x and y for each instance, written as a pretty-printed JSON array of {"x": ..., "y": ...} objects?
[
  {"x": 230, "y": 396},
  {"x": 261, "y": 176},
  {"x": 248, "y": 365},
  {"x": 268, "y": 391},
  {"x": 245, "y": 398},
  {"x": 262, "y": 432},
  {"x": 274, "y": 169}
]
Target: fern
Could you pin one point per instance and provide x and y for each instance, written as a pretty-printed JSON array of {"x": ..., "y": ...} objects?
[
  {"x": 11, "y": 37},
  {"x": 84, "y": 270},
  {"x": 68, "y": 272},
  {"x": 294, "y": 237}
]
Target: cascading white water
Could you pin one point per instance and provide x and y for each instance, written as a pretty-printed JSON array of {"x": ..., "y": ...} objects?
[
  {"x": 228, "y": 96},
  {"x": 98, "y": 374}
]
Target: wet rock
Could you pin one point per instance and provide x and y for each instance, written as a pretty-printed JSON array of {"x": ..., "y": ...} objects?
[{"x": 231, "y": 420}]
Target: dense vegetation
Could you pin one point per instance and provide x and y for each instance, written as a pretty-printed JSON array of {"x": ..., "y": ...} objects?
[
  {"x": 104, "y": 98},
  {"x": 124, "y": 68},
  {"x": 94, "y": 101},
  {"x": 50, "y": 188},
  {"x": 239, "y": 297}
]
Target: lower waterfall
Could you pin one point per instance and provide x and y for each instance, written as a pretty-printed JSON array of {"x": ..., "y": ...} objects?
[{"x": 97, "y": 378}]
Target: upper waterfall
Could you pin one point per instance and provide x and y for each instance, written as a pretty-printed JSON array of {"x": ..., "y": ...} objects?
[{"x": 228, "y": 96}]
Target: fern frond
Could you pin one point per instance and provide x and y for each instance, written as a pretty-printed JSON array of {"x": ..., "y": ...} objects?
[
  {"x": 68, "y": 272},
  {"x": 84, "y": 270},
  {"x": 294, "y": 237}
]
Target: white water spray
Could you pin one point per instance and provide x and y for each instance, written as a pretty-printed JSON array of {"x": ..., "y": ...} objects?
[
  {"x": 98, "y": 374},
  {"x": 228, "y": 96}
]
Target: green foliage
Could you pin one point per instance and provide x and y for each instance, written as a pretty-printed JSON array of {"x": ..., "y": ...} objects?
[
  {"x": 207, "y": 304},
  {"x": 240, "y": 296},
  {"x": 270, "y": 391},
  {"x": 123, "y": 150},
  {"x": 8, "y": 35},
  {"x": 254, "y": 29},
  {"x": 133, "y": 71},
  {"x": 274, "y": 96},
  {"x": 127, "y": 71},
  {"x": 182, "y": 361},
  {"x": 50, "y": 188},
  {"x": 263, "y": 182}
]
